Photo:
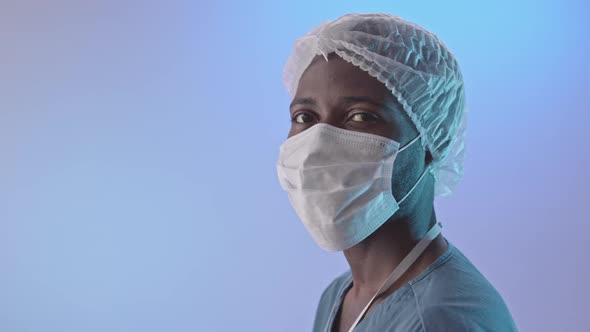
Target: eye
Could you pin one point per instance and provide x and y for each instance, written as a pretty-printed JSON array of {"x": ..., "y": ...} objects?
[
  {"x": 302, "y": 117},
  {"x": 363, "y": 117}
]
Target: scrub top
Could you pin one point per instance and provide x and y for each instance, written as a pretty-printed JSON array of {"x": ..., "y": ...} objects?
[{"x": 450, "y": 295}]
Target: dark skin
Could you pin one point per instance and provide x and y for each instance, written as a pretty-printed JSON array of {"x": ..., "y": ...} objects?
[{"x": 342, "y": 95}]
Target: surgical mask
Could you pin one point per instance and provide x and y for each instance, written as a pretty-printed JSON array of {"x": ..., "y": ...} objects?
[{"x": 339, "y": 182}]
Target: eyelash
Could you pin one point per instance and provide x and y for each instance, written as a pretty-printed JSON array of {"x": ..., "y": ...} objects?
[{"x": 371, "y": 115}]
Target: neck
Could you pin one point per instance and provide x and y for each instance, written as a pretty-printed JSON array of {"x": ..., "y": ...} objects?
[{"x": 372, "y": 260}]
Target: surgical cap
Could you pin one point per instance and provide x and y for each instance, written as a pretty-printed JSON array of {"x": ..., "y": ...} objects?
[{"x": 414, "y": 65}]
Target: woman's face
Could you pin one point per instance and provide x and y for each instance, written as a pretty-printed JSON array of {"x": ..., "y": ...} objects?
[{"x": 338, "y": 93}]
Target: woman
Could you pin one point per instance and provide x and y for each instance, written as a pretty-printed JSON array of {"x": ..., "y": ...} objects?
[{"x": 378, "y": 119}]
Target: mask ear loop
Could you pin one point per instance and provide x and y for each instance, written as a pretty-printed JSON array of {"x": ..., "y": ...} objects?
[
  {"x": 409, "y": 143},
  {"x": 421, "y": 176},
  {"x": 415, "y": 184}
]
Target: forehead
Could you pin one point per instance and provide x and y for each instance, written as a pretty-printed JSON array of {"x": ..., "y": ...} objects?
[{"x": 337, "y": 76}]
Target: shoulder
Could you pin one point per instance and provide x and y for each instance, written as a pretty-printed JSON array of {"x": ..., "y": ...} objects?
[
  {"x": 456, "y": 295},
  {"x": 467, "y": 317}
]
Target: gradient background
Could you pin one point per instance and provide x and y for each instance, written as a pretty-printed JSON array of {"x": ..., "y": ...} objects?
[{"x": 138, "y": 143}]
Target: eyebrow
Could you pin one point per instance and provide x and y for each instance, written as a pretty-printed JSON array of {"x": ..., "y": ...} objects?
[
  {"x": 344, "y": 100},
  {"x": 303, "y": 101}
]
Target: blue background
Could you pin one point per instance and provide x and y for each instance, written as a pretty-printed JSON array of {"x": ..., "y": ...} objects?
[{"x": 138, "y": 143}]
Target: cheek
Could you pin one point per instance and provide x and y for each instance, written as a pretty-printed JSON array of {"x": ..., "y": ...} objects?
[
  {"x": 292, "y": 131},
  {"x": 406, "y": 170},
  {"x": 388, "y": 130},
  {"x": 295, "y": 129}
]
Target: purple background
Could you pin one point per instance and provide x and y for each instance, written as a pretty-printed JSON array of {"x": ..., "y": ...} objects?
[{"x": 138, "y": 143}]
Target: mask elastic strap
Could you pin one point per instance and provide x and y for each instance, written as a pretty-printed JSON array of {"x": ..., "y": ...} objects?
[
  {"x": 415, "y": 184},
  {"x": 409, "y": 143}
]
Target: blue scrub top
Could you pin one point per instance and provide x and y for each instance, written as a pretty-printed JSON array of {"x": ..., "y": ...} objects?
[{"x": 450, "y": 295}]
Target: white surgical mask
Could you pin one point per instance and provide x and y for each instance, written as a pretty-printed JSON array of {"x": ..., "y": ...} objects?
[{"x": 339, "y": 182}]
